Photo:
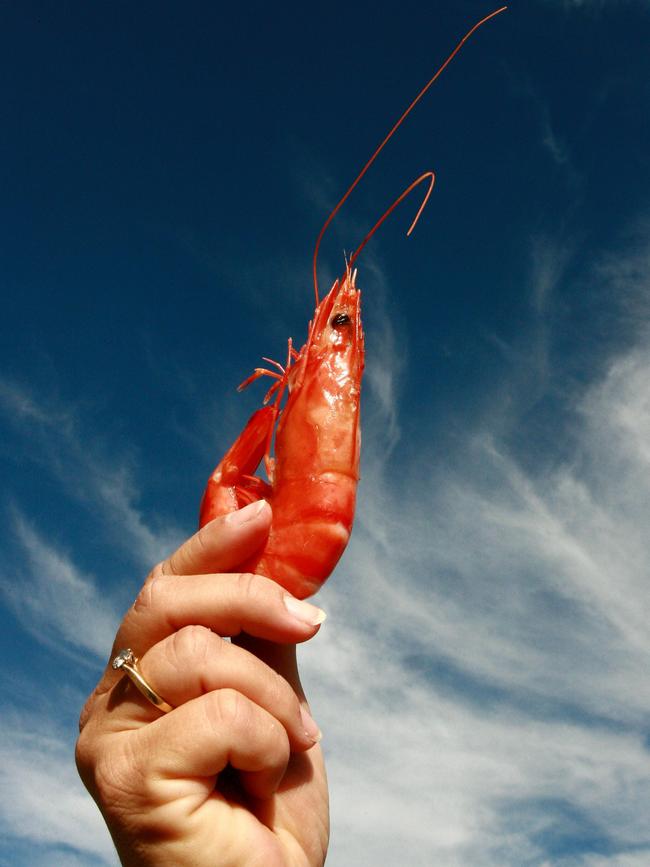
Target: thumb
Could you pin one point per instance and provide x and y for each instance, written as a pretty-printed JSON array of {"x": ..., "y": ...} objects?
[{"x": 222, "y": 544}]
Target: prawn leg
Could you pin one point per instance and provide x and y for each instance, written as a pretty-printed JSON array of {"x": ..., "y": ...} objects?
[{"x": 232, "y": 485}]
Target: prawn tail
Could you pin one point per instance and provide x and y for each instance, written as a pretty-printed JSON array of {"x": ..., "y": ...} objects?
[{"x": 232, "y": 485}]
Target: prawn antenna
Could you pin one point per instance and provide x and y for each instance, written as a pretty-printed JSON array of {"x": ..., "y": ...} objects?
[
  {"x": 389, "y": 211},
  {"x": 380, "y": 147}
]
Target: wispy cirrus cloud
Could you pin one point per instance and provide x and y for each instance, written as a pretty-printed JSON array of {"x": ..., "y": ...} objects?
[
  {"x": 52, "y": 436},
  {"x": 555, "y": 146},
  {"x": 54, "y": 600},
  {"x": 44, "y": 808},
  {"x": 590, "y": 5},
  {"x": 482, "y": 680},
  {"x": 46, "y": 816}
]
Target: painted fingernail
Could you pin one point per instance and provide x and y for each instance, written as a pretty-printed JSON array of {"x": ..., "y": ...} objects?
[
  {"x": 304, "y": 611},
  {"x": 248, "y": 513},
  {"x": 310, "y": 726}
]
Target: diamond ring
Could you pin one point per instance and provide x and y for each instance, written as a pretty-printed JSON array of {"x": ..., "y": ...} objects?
[{"x": 126, "y": 661}]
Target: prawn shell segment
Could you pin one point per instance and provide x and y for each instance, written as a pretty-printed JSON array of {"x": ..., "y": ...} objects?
[{"x": 309, "y": 534}]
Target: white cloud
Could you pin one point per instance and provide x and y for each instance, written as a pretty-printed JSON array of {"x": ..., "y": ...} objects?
[
  {"x": 482, "y": 678},
  {"x": 384, "y": 363},
  {"x": 52, "y": 437},
  {"x": 42, "y": 800},
  {"x": 578, "y": 4},
  {"x": 594, "y": 6},
  {"x": 554, "y": 144},
  {"x": 54, "y": 600},
  {"x": 549, "y": 262},
  {"x": 591, "y": 5}
]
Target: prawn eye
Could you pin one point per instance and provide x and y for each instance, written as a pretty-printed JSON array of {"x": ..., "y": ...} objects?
[{"x": 340, "y": 319}]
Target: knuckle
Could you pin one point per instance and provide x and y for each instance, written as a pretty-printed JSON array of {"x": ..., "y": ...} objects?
[
  {"x": 149, "y": 597},
  {"x": 229, "y": 711},
  {"x": 283, "y": 748},
  {"x": 117, "y": 777},
  {"x": 196, "y": 547},
  {"x": 243, "y": 582},
  {"x": 105, "y": 771},
  {"x": 251, "y": 587},
  {"x": 114, "y": 769},
  {"x": 84, "y": 755},
  {"x": 202, "y": 539},
  {"x": 276, "y": 741},
  {"x": 280, "y": 693},
  {"x": 192, "y": 642},
  {"x": 159, "y": 569},
  {"x": 86, "y": 710},
  {"x": 227, "y": 708}
]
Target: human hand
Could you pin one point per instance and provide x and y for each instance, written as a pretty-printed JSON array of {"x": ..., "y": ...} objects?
[{"x": 233, "y": 774}]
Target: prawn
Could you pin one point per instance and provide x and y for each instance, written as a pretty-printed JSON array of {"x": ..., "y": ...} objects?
[{"x": 313, "y": 476}]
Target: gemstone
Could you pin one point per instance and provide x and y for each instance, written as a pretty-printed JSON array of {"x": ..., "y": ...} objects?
[{"x": 124, "y": 656}]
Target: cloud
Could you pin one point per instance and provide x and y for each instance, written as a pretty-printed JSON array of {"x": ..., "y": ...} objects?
[
  {"x": 553, "y": 144},
  {"x": 385, "y": 363},
  {"x": 479, "y": 681},
  {"x": 530, "y": 356},
  {"x": 578, "y": 4},
  {"x": 51, "y": 435},
  {"x": 594, "y": 6},
  {"x": 44, "y": 808},
  {"x": 590, "y": 5},
  {"x": 21, "y": 405},
  {"x": 55, "y": 601},
  {"x": 481, "y": 678}
]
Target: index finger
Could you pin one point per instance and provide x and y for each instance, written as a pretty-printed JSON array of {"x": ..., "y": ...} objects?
[{"x": 223, "y": 543}]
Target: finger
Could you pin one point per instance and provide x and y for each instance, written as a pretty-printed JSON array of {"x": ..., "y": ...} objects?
[
  {"x": 198, "y": 740},
  {"x": 228, "y": 604},
  {"x": 195, "y": 661},
  {"x": 282, "y": 659},
  {"x": 222, "y": 544}
]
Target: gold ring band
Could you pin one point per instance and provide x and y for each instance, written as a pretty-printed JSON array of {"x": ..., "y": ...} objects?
[{"x": 126, "y": 661}]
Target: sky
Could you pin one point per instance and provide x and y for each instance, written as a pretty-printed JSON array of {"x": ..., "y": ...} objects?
[{"x": 482, "y": 678}]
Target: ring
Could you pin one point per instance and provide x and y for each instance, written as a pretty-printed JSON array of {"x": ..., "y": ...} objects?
[{"x": 127, "y": 661}]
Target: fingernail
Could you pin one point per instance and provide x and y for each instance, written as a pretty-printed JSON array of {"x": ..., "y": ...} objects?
[
  {"x": 248, "y": 513},
  {"x": 304, "y": 611},
  {"x": 310, "y": 726}
]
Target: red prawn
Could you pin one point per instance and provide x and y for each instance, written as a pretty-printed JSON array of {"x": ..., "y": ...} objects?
[{"x": 312, "y": 480}]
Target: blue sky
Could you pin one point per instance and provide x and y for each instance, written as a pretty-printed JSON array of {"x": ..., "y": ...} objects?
[{"x": 482, "y": 679}]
